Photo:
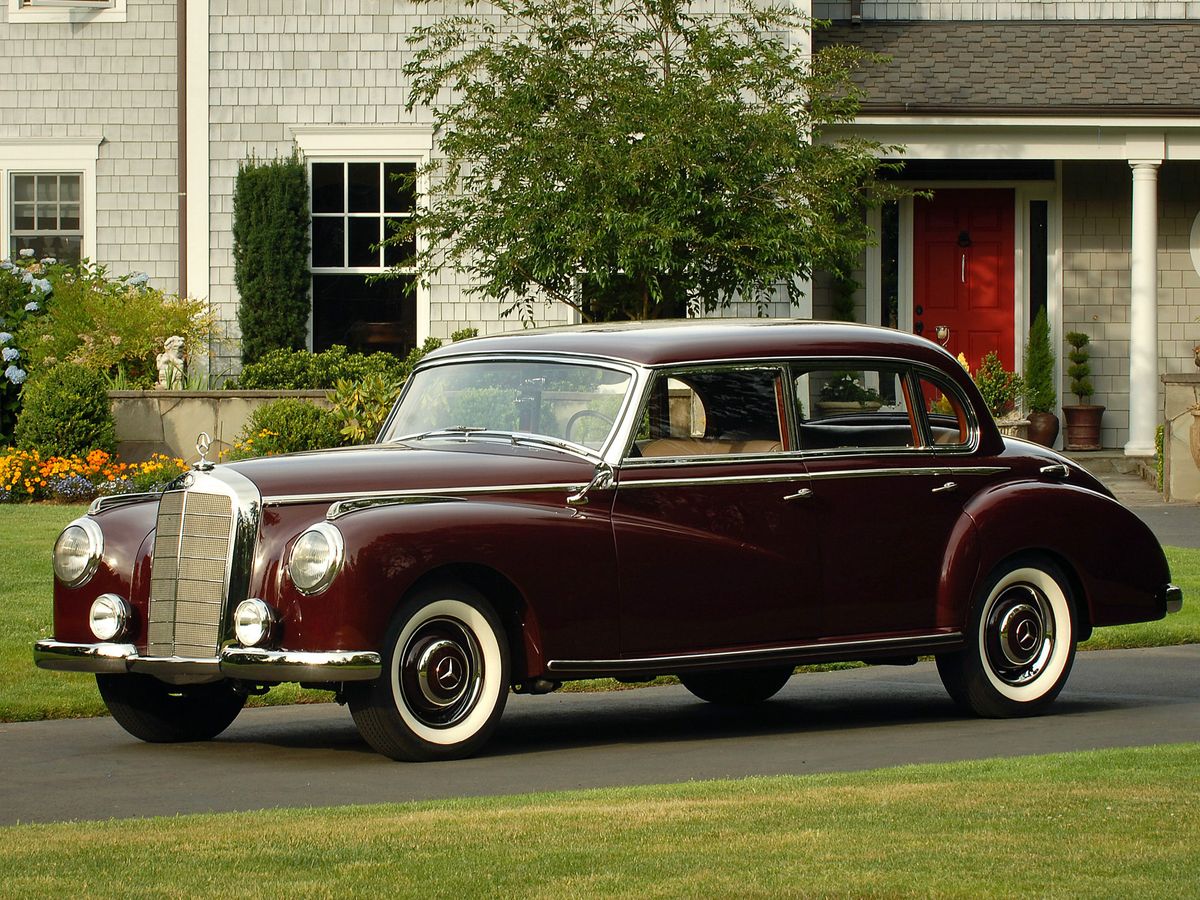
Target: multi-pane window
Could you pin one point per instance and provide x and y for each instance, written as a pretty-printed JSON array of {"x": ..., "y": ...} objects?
[
  {"x": 355, "y": 206},
  {"x": 46, "y": 215}
]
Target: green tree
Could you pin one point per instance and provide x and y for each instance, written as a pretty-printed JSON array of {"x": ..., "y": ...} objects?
[
  {"x": 1040, "y": 394},
  {"x": 633, "y": 157},
  {"x": 270, "y": 255}
]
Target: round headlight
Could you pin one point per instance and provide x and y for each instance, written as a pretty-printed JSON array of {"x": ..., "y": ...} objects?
[
  {"x": 77, "y": 552},
  {"x": 316, "y": 557},
  {"x": 253, "y": 622},
  {"x": 109, "y": 617}
]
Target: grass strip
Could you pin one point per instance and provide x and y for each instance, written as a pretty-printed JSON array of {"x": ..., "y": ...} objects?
[{"x": 1101, "y": 824}]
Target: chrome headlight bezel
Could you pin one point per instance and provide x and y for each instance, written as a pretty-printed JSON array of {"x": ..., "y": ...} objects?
[
  {"x": 90, "y": 557},
  {"x": 333, "y": 554},
  {"x": 117, "y": 612}
]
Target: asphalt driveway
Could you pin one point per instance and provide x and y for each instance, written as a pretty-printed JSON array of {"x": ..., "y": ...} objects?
[{"x": 835, "y": 721}]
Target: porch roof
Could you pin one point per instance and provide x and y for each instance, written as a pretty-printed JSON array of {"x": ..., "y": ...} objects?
[{"x": 1055, "y": 68}]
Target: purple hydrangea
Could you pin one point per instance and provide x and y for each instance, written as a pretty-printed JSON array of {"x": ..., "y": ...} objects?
[
  {"x": 40, "y": 284},
  {"x": 15, "y": 374},
  {"x": 5, "y": 337},
  {"x": 32, "y": 306},
  {"x": 11, "y": 353}
]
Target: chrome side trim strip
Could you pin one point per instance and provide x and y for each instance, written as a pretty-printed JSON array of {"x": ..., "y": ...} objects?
[
  {"x": 813, "y": 476},
  {"x": 102, "y": 503},
  {"x": 249, "y": 663},
  {"x": 422, "y": 494},
  {"x": 716, "y": 480},
  {"x": 908, "y": 470},
  {"x": 814, "y": 650}
]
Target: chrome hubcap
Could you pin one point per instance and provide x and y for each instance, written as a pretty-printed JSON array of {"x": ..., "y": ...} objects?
[
  {"x": 1019, "y": 634},
  {"x": 441, "y": 672}
]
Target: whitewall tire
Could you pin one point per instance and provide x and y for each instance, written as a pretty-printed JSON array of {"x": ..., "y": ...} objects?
[
  {"x": 1020, "y": 642},
  {"x": 445, "y": 679}
]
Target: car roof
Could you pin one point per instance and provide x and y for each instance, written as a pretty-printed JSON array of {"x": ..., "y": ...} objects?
[{"x": 671, "y": 342}]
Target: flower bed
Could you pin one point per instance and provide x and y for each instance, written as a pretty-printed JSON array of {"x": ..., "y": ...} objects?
[{"x": 25, "y": 476}]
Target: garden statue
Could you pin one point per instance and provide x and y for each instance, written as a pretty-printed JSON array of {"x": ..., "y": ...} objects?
[{"x": 170, "y": 364}]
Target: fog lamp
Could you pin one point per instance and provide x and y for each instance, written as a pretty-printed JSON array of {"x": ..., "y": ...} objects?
[
  {"x": 254, "y": 622},
  {"x": 109, "y": 617}
]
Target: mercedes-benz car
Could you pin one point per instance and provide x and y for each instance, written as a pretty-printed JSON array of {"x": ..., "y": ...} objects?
[{"x": 720, "y": 501}]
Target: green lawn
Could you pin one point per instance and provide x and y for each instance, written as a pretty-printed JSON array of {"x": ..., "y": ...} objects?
[
  {"x": 1117, "y": 823},
  {"x": 25, "y": 615}
]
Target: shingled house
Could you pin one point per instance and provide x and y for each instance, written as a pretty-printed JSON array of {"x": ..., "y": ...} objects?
[
  {"x": 1063, "y": 157},
  {"x": 1060, "y": 139}
]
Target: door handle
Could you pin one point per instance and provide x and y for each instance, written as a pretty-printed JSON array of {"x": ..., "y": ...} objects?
[
  {"x": 948, "y": 488},
  {"x": 802, "y": 494}
]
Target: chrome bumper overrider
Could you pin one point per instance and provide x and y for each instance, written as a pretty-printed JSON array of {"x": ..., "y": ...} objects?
[
  {"x": 249, "y": 663},
  {"x": 1173, "y": 597}
]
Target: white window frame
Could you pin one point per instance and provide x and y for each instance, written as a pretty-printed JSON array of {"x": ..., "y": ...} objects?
[
  {"x": 403, "y": 144},
  {"x": 33, "y": 156},
  {"x": 66, "y": 11}
]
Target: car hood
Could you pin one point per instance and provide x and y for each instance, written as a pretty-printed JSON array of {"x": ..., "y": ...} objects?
[{"x": 384, "y": 468}]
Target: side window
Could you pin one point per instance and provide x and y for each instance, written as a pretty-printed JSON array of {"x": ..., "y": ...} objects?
[
  {"x": 949, "y": 424},
  {"x": 714, "y": 412},
  {"x": 851, "y": 409}
]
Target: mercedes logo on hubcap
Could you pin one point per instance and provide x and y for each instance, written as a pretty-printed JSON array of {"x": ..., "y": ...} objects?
[
  {"x": 447, "y": 674},
  {"x": 1026, "y": 634}
]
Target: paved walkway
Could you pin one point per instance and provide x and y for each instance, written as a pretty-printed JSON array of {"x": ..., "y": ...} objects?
[{"x": 1175, "y": 524}]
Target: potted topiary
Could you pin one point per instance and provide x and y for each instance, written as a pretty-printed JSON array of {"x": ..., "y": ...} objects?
[
  {"x": 1040, "y": 395},
  {"x": 1083, "y": 421}
]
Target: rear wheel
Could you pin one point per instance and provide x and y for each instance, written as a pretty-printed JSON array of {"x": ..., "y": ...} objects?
[
  {"x": 737, "y": 688},
  {"x": 1020, "y": 643},
  {"x": 444, "y": 682},
  {"x": 162, "y": 713}
]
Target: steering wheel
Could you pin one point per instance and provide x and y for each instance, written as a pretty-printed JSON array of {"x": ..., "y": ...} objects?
[{"x": 585, "y": 414}]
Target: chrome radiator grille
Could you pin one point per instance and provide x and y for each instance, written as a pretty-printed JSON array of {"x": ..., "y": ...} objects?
[{"x": 189, "y": 577}]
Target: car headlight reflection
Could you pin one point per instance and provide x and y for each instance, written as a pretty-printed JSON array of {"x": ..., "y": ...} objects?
[
  {"x": 316, "y": 558},
  {"x": 77, "y": 552}
]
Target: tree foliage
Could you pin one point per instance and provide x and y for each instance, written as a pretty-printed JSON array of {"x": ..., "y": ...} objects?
[
  {"x": 1039, "y": 366},
  {"x": 270, "y": 255},
  {"x": 633, "y": 157}
]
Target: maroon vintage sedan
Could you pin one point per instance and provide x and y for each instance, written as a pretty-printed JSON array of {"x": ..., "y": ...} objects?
[{"x": 714, "y": 500}]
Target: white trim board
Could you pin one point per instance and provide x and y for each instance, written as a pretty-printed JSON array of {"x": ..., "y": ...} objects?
[{"x": 52, "y": 155}]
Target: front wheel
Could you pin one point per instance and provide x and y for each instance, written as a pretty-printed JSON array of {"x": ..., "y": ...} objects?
[
  {"x": 444, "y": 682},
  {"x": 737, "y": 688},
  {"x": 160, "y": 713},
  {"x": 1020, "y": 643}
]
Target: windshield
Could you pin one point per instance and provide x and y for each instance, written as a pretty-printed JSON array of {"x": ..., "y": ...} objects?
[{"x": 573, "y": 402}]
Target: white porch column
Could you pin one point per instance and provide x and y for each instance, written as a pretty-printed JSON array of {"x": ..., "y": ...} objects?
[{"x": 1143, "y": 312}]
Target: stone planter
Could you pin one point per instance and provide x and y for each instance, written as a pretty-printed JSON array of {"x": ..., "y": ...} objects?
[
  {"x": 168, "y": 421},
  {"x": 1013, "y": 426},
  {"x": 1083, "y": 427}
]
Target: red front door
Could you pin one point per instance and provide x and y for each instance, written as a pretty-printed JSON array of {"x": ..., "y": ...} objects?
[{"x": 963, "y": 271}]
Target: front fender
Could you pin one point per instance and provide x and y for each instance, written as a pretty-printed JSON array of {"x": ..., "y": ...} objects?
[
  {"x": 1114, "y": 558},
  {"x": 560, "y": 560}
]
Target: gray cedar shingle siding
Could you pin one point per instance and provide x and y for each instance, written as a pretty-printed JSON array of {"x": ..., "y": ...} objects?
[{"x": 1011, "y": 66}]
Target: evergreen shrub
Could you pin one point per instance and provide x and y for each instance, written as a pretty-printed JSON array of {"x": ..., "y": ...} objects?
[
  {"x": 1040, "y": 394},
  {"x": 299, "y": 370},
  {"x": 270, "y": 255},
  {"x": 66, "y": 411},
  {"x": 286, "y": 426}
]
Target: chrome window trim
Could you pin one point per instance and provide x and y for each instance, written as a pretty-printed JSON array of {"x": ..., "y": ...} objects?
[{"x": 757, "y": 654}]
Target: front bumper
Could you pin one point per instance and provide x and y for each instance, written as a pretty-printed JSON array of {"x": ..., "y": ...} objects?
[
  {"x": 1173, "y": 598},
  {"x": 246, "y": 663}
]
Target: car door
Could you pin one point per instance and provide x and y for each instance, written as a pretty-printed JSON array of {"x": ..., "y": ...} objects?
[
  {"x": 715, "y": 542},
  {"x": 888, "y": 489}
]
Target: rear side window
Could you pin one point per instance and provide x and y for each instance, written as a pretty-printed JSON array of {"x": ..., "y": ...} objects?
[
  {"x": 853, "y": 409},
  {"x": 714, "y": 412}
]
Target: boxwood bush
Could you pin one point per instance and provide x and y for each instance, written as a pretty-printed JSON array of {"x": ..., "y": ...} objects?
[
  {"x": 65, "y": 411},
  {"x": 300, "y": 370},
  {"x": 286, "y": 426}
]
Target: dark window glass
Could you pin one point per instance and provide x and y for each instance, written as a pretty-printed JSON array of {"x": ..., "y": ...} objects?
[
  {"x": 364, "y": 235},
  {"x": 364, "y": 187},
  {"x": 399, "y": 188},
  {"x": 889, "y": 247},
  {"x": 365, "y": 316},
  {"x": 47, "y": 217},
  {"x": 68, "y": 216},
  {"x": 23, "y": 216},
  {"x": 841, "y": 409},
  {"x": 401, "y": 254},
  {"x": 327, "y": 241},
  {"x": 23, "y": 188},
  {"x": 63, "y": 247},
  {"x": 327, "y": 188},
  {"x": 1038, "y": 246}
]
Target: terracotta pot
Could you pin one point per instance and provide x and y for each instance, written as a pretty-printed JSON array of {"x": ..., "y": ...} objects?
[
  {"x": 1083, "y": 426},
  {"x": 1043, "y": 428}
]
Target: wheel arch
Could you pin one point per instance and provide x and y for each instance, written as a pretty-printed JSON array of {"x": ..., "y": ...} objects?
[{"x": 519, "y": 620}]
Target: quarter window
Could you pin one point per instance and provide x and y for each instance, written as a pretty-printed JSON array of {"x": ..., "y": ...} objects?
[
  {"x": 46, "y": 212},
  {"x": 355, "y": 205},
  {"x": 949, "y": 425}
]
